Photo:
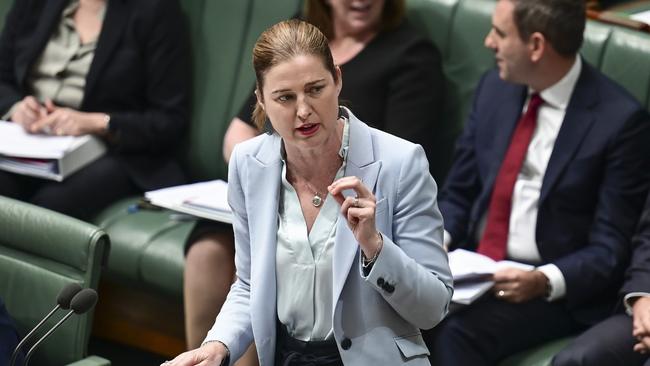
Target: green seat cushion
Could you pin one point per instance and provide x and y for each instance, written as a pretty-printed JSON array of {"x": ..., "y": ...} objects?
[
  {"x": 538, "y": 356},
  {"x": 146, "y": 245}
]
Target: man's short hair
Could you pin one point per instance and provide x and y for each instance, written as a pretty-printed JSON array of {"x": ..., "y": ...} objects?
[{"x": 562, "y": 22}]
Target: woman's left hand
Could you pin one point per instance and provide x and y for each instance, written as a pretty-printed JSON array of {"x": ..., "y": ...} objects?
[
  {"x": 69, "y": 122},
  {"x": 359, "y": 212}
]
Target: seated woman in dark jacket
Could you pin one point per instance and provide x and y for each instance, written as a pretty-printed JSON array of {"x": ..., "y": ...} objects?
[{"x": 118, "y": 70}]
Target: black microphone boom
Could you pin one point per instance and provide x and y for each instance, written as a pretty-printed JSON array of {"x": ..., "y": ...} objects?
[
  {"x": 63, "y": 302},
  {"x": 81, "y": 303}
]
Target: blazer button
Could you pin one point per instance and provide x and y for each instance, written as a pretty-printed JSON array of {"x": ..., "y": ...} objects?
[
  {"x": 389, "y": 288},
  {"x": 346, "y": 343},
  {"x": 380, "y": 282}
]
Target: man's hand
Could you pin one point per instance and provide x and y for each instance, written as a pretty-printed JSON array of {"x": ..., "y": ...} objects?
[
  {"x": 641, "y": 324},
  {"x": 517, "y": 286}
]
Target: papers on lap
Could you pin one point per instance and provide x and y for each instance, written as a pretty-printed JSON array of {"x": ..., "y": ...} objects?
[
  {"x": 208, "y": 200},
  {"x": 472, "y": 272},
  {"x": 48, "y": 157}
]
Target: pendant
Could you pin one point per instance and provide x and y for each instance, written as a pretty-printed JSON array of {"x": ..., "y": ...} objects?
[{"x": 316, "y": 201}]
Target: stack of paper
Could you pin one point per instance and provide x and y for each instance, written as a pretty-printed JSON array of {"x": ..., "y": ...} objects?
[
  {"x": 208, "y": 200},
  {"x": 49, "y": 157},
  {"x": 472, "y": 274}
]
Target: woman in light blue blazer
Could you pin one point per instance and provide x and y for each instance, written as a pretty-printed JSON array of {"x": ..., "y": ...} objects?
[{"x": 338, "y": 234}]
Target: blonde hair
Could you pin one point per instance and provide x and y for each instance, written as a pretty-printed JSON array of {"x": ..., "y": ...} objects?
[
  {"x": 319, "y": 13},
  {"x": 284, "y": 41}
]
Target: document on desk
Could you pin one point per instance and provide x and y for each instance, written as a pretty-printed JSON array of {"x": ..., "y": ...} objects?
[
  {"x": 472, "y": 273},
  {"x": 43, "y": 156},
  {"x": 643, "y": 17},
  {"x": 208, "y": 200}
]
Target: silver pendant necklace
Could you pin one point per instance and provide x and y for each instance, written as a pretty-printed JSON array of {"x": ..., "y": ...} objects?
[{"x": 317, "y": 200}]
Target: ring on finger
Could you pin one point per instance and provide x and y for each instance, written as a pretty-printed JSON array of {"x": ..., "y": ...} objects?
[
  {"x": 501, "y": 293},
  {"x": 355, "y": 203}
]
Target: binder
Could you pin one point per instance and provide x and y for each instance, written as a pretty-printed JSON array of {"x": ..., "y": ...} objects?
[{"x": 47, "y": 157}]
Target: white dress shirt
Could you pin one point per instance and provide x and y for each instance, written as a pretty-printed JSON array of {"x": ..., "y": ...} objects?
[
  {"x": 304, "y": 261},
  {"x": 522, "y": 245}
]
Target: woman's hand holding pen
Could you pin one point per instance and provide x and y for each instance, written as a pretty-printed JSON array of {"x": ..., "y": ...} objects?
[{"x": 359, "y": 212}]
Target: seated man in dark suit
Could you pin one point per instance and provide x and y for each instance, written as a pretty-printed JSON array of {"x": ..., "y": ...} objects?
[
  {"x": 8, "y": 336},
  {"x": 621, "y": 339},
  {"x": 551, "y": 170}
]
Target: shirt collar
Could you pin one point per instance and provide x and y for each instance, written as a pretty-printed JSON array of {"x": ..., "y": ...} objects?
[{"x": 558, "y": 94}]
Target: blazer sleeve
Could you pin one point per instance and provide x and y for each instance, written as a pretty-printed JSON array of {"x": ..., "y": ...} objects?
[
  {"x": 463, "y": 185},
  {"x": 157, "y": 124},
  {"x": 10, "y": 91},
  {"x": 637, "y": 276},
  {"x": 233, "y": 324},
  {"x": 412, "y": 272}
]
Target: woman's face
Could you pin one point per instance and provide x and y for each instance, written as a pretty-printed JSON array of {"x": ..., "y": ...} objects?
[
  {"x": 300, "y": 98},
  {"x": 357, "y": 16}
]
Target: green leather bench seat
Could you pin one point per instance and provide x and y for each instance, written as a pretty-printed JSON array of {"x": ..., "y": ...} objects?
[{"x": 40, "y": 253}]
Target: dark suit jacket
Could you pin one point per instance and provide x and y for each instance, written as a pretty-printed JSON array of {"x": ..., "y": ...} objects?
[
  {"x": 592, "y": 192},
  {"x": 139, "y": 75},
  {"x": 637, "y": 276}
]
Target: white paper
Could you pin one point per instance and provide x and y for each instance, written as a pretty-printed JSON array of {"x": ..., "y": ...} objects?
[
  {"x": 472, "y": 272},
  {"x": 643, "y": 17},
  {"x": 205, "y": 199},
  {"x": 14, "y": 141}
]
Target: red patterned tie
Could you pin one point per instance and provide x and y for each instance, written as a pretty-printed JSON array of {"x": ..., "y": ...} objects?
[{"x": 495, "y": 237}]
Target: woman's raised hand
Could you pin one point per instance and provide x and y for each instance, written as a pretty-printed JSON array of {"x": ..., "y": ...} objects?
[{"x": 359, "y": 210}]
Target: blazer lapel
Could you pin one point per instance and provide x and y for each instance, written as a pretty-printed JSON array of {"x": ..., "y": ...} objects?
[
  {"x": 263, "y": 194},
  {"x": 360, "y": 163},
  {"x": 51, "y": 15},
  {"x": 577, "y": 122},
  {"x": 115, "y": 20}
]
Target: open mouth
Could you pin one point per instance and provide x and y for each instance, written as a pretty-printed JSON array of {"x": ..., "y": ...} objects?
[{"x": 308, "y": 129}]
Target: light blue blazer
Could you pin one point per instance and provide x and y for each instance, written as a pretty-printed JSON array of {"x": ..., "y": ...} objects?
[{"x": 376, "y": 319}]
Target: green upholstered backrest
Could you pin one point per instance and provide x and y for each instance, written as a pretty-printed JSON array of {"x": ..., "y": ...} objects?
[
  {"x": 217, "y": 31},
  {"x": 457, "y": 28},
  {"x": 596, "y": 37},
  {"x": 222, "y": 36},
  {"x": 627, "y": 60},
  {"x": 263, "y": 14},
  {"x": 42, "y": 251}
]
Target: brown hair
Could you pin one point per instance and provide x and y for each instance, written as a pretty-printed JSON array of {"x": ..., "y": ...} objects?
[
  {"x": 281, "y": 42},
  {"x": 562, "y": 22},
  {"x": 319, "y": 13}
]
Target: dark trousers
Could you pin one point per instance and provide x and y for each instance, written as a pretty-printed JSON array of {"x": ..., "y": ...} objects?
[
  {"x": 609, "y": 342},
  {"x": 490, "y": 330},
  {"x": 81, "y": 195},
  {"x": 293, "y": 352}
]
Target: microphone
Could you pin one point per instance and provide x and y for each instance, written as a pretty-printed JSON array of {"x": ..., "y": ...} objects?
[
  {"x": 62, "y": 302},
  {"x": 81, "y": 303}
]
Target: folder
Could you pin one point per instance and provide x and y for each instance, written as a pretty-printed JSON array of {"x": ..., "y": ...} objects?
[
  {"x": 208, "y": 200},
  {"x": 44, "y": 156}
]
